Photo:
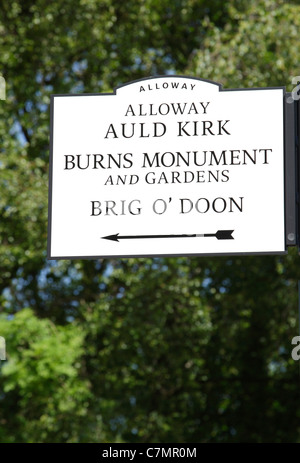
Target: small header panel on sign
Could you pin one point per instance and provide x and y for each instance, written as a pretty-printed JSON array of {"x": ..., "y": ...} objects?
[{"x": 167, "y": 166}]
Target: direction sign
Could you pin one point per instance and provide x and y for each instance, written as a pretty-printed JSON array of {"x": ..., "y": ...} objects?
[{"x": 162, "y": 163}]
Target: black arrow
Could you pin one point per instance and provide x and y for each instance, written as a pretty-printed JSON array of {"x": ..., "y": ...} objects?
[{"x": 220, "y": 235}]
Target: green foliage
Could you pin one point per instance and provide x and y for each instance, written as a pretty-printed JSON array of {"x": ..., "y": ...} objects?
[
  {"x": 41, "y": 381},
  {"x": 145, "y": 350},
  {"x": 259, "y": 49},
  {"x": 148, "y": 359}
]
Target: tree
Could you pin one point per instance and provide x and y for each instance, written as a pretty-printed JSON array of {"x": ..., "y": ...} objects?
[{"x": 146, "y": 350}]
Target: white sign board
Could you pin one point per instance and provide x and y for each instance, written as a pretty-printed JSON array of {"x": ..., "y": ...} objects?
[{"x": 167, "y": 166}]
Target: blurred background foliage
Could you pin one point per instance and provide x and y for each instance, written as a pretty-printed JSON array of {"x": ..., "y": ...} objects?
[{"x": 137, "y": 350}]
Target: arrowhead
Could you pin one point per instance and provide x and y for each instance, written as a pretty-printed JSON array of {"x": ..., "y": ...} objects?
[
  {"x": 111, "y": 237},
  {"x": 224, "y": 235}
]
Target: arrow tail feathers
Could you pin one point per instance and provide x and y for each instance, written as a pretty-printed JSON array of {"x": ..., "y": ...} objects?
[{"x": 224, "y": 235}]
